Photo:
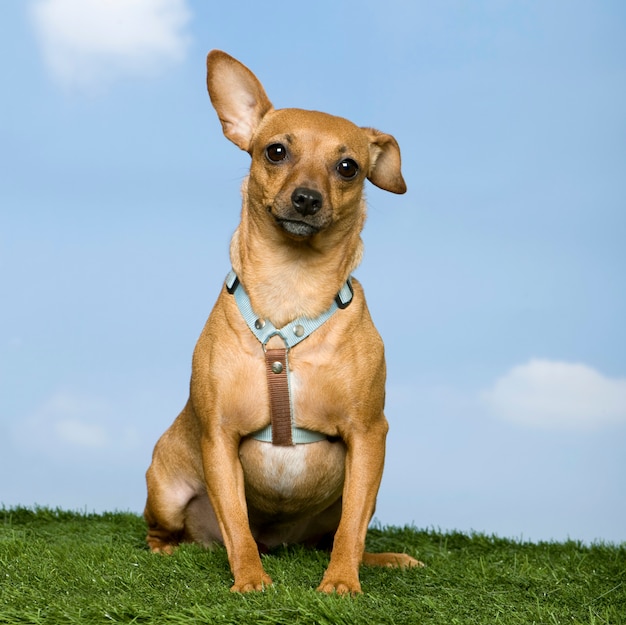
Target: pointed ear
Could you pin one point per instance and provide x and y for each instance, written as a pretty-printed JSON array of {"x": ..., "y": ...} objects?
[
  {"x": 384, "y": 169},
  {"x": 237, "y": 96}
]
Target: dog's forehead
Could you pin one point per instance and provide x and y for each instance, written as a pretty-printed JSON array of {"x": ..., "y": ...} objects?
[{"x": 297, "y": 126}]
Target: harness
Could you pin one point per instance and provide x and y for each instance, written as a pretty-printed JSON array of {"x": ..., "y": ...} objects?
[{"x": 282, "y": 429}]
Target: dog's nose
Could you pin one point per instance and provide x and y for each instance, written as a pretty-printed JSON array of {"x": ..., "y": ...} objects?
[{"x": 306, "y": 201}]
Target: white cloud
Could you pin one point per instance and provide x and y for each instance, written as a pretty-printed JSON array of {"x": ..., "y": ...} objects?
[
  {"x": 549, "y": 394},
  {"x": 80, "y": 434},
  {"x": 64, "y": 421},
  {"x": 70, "y": 422},
  {"x": 88, "y": 43}
]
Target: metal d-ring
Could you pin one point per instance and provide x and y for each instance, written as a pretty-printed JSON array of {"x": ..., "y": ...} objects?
[{"x": 267, "y": 339}]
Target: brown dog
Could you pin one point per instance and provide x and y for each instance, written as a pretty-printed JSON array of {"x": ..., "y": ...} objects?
[{"x": 289, "y": 342}]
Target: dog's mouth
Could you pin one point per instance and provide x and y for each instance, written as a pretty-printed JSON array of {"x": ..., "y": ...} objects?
[
  {"x": 295, "y": 225},
  {"x": 297, "y": 228}
]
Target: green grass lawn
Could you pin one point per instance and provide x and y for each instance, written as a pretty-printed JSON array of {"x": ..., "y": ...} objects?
[{"x": 64, "y": 567}]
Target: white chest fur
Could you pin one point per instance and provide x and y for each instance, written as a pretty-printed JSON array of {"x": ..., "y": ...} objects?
[
  {"x": 284, "y": 467},
  {"x": 290, "y": 479}
]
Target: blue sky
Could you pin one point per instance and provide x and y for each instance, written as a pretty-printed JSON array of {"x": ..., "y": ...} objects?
[{"x": 497, "y": 282}]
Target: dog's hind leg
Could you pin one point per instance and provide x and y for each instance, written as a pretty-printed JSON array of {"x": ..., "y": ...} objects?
[
  {"x": 165, "y": 514},
  {"x": 177, "y": 509},
  {"x": 171, "y": 511},
  {"x": 173, "y": 524}
]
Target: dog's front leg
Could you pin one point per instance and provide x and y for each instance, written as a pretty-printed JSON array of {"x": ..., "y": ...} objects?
[
  {"x": 364, "y": 468},
  {"x": 225, "y": 485}
]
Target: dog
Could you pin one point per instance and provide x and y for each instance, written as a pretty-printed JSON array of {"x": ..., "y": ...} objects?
[{"x": 282, "y": 439}]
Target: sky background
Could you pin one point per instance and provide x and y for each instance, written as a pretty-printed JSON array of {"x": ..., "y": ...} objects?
[{"x": 498, "y": 282}]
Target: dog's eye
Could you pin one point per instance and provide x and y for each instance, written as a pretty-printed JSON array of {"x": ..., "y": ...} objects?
[
  {"x": 347, "y": 168},
  {"x": 276, "y": 152}
]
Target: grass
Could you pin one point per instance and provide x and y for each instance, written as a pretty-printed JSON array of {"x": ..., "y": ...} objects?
[{"x": 62, "y": 567}]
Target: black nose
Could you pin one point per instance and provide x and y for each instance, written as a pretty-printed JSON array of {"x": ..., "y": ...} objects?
[{"x": 306, "y": 201}]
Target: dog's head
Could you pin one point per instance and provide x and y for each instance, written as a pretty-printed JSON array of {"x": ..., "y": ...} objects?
[{"x": 308, "y": 168}]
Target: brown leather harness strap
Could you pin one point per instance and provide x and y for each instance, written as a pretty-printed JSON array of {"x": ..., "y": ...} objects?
[{"x": 280, "y": 404}]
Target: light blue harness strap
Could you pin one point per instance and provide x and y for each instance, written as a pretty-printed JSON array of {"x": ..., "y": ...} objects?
[
  {"x": 292, "y": 334},
  {"x": 299, "y": 436},
  {"x": 295, "y": 331}
]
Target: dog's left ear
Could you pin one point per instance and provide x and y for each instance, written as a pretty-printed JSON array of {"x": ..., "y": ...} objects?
[
  {"x": 385, "y": 170},
  {"x": 237, "y": 96}
]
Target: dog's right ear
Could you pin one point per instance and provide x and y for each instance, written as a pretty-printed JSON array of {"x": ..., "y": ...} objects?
[{"x": 237, "y": 96}]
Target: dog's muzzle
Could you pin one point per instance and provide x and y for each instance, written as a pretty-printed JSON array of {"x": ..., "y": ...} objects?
[{"x": 303, "y": 218}]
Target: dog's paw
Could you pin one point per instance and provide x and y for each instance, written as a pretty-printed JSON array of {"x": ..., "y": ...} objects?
[
  {"x": 163, "y": 548},
  {"x": 392, "y": 560},
  {"x": 251, "y": 583},
  {"x": 341, "y": 585}
]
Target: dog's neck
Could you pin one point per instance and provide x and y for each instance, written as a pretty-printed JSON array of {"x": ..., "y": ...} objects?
[{"x": 285, "y": 278}]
